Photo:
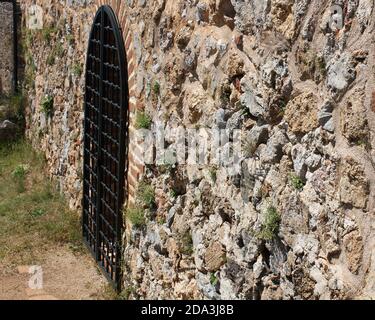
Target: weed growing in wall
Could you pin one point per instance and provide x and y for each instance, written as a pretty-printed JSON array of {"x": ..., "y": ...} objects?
[
  {"x": 46, "y": 106},
  {"x": 321, "y": 65},
  {"x": 47, "y": 34},
  {"x": 296, "y": 182},
  {"x": 126, "y": 293},
  {"x": 186, "y": 244},
  {"x": 136, "y": 216},
  {"x": 70, "y": 39},
  {"x": 156, "y": 88},
  {"x": 77, "y": 69},
  {"x": 161, "y": 220},
  {"x": 213, "y": 174},
  {"x": 50, "y": 59},
  {"x": 225, "y": 94},
  {"x": 57, "y": 52},
  {"x": 213, "y": 279},
  {"x": 271, "y": 225},
  {"x": 28, "y": 39},
  {"x": 142, "y": 120},
  {"x": 146, "y": 195},
  {"x": 173, "y": 193}
]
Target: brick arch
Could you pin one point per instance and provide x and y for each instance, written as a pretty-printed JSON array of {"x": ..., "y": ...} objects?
[{"x": 136, "y": 166}]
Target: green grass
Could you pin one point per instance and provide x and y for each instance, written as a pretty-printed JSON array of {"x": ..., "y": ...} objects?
[
  {"x": 14, "y": 107},
  {"x": 271, "y": 225},
  {"x": 126, "y": 294},
  {"x": 19, "y": 176},
  {"x": 35, "y": 218}
]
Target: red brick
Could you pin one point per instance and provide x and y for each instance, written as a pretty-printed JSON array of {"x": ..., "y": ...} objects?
[
  {"x": 131, "y": 68},
  {"x": 128, "y": 43}
]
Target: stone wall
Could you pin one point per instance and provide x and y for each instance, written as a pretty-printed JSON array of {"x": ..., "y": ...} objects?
[
  {"x": 6, "y": 48},
  {"x": 300, "y": 89}
]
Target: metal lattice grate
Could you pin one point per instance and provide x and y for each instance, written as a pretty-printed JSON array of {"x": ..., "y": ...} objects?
[{"x": 105, "y": 143}]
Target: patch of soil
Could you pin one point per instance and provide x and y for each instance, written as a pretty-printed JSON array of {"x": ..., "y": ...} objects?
[{"x": 66, "y": 276}]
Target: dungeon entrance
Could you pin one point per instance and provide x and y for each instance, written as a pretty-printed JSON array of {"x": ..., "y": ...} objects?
[{"x": 105, "y": 143}]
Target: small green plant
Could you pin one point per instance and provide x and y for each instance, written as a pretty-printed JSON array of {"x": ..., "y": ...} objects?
[
  {"x": 161, "y": 220},
  {"x": 296, "y": 182},
  {"x": 156, "y": 88},
  {"x": 136, "y": 216},
  {"x": 28, "y": 38},
  {"x": 20, "y": 171},
  {"x": 186, "y": 244},
  {"x": 165, "y": 168},
  {"x": 213, "y": 174},
  {"x": 46, "y": 105},
  {"x": 77, "y": 69},
  {"x": 321, "y": 65},
  {"x": 50, "y": 59},
  {"x": 271, "y": 225},
  {"x": 19, "y": 175},
  {"x": 249, "y": 146},
  {"x": 70, "y": 39},
  {"x": 281, "y": 108},
  {"x": 37, "y": 213},
  {"x": 30, "y": 70},
  {"x": 47, "y": 34},
  {"x": 173, "y": 193},
  {"x": 245, "y": 110},
  {"x": 363, "y": 143},
  {"x": 146, "y": 195},
  {"x": 213, "y": 279},
  {"x": 59, "y": 50},
  {"x": 142, "y": 120},
  {"x": 226, "y": 92},
  {"x": 126, "y": 293}
]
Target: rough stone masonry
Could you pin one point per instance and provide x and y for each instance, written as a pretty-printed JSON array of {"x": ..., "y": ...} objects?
[
  {"x": 299, "y": 89},
  {"x": 6, "y": 48}
]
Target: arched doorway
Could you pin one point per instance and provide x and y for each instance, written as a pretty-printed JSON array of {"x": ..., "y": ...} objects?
[{"x": 105, "y": 143}]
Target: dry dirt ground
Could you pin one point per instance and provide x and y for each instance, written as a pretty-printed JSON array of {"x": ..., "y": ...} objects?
[{"x": 66, "y": 276}]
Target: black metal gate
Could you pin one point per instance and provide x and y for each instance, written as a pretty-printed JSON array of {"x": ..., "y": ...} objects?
[{"x": 105, "y": 143}]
